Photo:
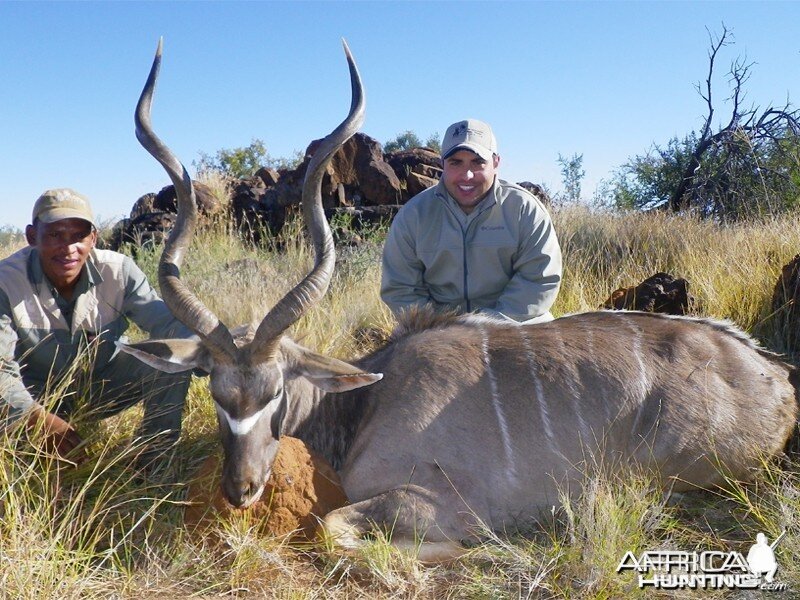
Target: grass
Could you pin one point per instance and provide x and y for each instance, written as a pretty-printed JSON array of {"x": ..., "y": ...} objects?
[
  {"x": 11, "y": 240},
  {"x": 731, "y": 269},
  {"x": 97, "y": 531}
]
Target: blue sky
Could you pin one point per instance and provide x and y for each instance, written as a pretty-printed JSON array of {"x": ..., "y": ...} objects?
[{"x": 602, "y": 79}]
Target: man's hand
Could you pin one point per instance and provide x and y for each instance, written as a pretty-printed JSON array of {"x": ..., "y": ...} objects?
[{"x": 58, "y": 436}]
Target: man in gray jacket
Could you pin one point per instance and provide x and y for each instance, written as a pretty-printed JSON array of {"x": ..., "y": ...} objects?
[
  {"x": 473, "y": 242},
  {"x": 63, "y": 305}
]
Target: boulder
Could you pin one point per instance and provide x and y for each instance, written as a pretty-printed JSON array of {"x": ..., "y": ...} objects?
[
  {"x": 145, "y": 204},
  {"x": 416, "y": 183},
  {"x": 538, "y": 191},
  {"x": 427, "y": 171},
  {"x": 302, "y": 488},
  {"x": 660, "y": 293},
  {"x": 289, "y": 190},
  {"x": 145, "y": 230},
  {"x": 359, "y": 176},
  {"x": 404, "y": 162},
  {"x": 246, "y": 195},
  {"x": 153, "y": 216},
  {"x": 419, "y": 168},
  {"x": 207, "y": 202},
  {"x": 359, "y": 165},
  {"x": 247, "y": 210},
  {"x": 786, "y": 305},
  {"x": 270, "y": 177}
]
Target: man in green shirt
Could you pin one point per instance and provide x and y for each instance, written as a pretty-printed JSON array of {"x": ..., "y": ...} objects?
[{"x": 63, "y": 305}]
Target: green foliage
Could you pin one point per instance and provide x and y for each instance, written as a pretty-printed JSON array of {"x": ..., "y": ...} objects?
[
  {"x": 572, "y": 173},
  {"x": 647, "y": 181},
  {"x": 746, "y": 167},
  {"x": 244, "y": 161},
  {"x": 404, "y": 141},
  {"x": 784, "y": 162},
  {"x": 733, "y": 180},
  {"x": 434, "y": 142},
  {"x": 408, "y": 140},
  {"x": 236, "y": 162}
]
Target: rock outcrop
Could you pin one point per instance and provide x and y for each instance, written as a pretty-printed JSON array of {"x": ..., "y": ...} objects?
[
  {"x": 153, "y": 216},
  {"x": 660, "y": 293},
  {"x": 360, "y": 180}
]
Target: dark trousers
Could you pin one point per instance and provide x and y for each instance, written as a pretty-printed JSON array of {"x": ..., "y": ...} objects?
[{"x": 122, "y": 383}]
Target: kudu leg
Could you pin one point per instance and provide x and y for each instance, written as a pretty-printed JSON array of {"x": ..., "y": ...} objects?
[{"x": 414, "y": 519}]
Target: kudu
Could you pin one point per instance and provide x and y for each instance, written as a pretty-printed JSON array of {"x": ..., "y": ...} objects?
[{"x": 472, "y": 419}]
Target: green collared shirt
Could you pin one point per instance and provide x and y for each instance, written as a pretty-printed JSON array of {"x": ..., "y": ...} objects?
[
  {"x": 42, "y": 335},
  {"x": 86, "y": 280}
]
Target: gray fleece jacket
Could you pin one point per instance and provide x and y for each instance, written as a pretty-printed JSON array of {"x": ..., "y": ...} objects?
[{"x": 503, "y": 258}]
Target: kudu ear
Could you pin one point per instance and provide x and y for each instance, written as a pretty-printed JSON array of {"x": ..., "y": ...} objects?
[
  {"x": 170, "y": 356},
  {"x": 328, "y": 374}
]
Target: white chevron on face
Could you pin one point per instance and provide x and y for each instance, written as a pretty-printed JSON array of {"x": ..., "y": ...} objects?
[{"x": 243, "y": 426}]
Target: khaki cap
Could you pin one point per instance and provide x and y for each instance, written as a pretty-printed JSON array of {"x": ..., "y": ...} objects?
[
  {"x": 62, "y": 203},
  {"x": 470, "y": 134}
]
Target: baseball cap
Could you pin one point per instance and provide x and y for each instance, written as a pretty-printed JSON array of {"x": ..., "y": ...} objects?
[
  {"x": 62, "y": 203},
  {"x": 470, "y": 134}
]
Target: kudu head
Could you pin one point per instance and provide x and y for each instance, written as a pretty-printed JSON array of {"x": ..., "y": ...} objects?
[{"x": 247, "y": 377}]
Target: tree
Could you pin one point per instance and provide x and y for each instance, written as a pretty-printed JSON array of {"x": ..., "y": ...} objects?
[
  {"x": 572, "y": 173},
  {"x": 244, "y": 161},
  {"x": 408, "y": 140},
  {"x": 648, "y": 181},
  {"x": 748, "y": 165},
  {"x": 735, "y": 155},
  {"x": 434, "y": 142}
]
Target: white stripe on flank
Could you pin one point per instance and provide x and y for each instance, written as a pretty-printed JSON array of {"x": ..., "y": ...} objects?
[
  {"x": 537, "y": 386},
  {"x": 636, "y": 349},
  {"x": 637, "y": 352},
  {"x": 241, "y": 426},
  {"x": 644, "y": 382},
  {"x": 501, "y": 418},
  {"x": 575, "y": 396}
]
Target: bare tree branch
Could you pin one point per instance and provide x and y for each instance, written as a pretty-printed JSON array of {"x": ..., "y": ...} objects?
[{"x": 748, "y": 133}]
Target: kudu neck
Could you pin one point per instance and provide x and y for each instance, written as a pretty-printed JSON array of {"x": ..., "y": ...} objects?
[{"x": 326, "y": 422}]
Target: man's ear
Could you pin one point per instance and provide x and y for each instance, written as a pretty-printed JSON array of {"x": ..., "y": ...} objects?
[
  {"x": 328, "y": 374},
  {"x": 496, "y": 160},
  {"x": 30, "y": 235},
  {"x": 171, "y": 356}
]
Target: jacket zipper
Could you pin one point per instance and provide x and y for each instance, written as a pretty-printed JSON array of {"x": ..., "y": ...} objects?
[
  {"x": 464, "y": 233},
  {"x": 466, "y": 273}
]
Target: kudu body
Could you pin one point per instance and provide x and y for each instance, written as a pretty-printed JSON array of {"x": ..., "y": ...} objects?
[{"x": 473, "y": 419}]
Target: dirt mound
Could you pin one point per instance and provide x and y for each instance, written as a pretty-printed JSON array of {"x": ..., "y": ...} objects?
[{"x": 302, "y": 488}]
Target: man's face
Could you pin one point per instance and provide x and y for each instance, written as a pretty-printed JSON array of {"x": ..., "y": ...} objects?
[
  {"x": 63, "y": 249},
  {"x": 468, "y": 178}
]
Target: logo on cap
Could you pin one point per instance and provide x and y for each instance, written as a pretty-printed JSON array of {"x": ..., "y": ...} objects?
[{"x": 472, "y": 135}]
